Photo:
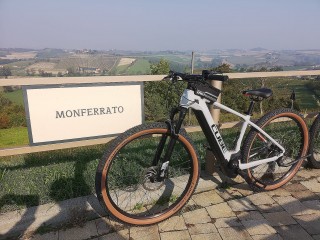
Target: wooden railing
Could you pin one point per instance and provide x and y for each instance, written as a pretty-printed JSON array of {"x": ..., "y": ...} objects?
[{"x": 111, "y": 79}]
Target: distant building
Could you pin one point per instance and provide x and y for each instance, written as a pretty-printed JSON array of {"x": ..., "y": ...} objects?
[{"x": 89, "y": 70}]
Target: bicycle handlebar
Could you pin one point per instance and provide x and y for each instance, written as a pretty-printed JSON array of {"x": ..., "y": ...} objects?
[{"x": 206, "y": 75}]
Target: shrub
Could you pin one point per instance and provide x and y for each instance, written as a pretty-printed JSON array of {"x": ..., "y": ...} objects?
[
  {"x": 11, "y": 115},
  {"x": 4, "y": 121}
]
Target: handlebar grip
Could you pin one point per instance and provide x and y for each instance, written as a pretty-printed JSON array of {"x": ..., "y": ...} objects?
[
  {"x": 217, "y": 77},
  {"x": 211, "y": 75}
]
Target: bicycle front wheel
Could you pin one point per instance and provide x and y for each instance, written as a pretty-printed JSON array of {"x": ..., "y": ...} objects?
[
  {"x": 131, "y": 183},
  {"x": 314, "y": 149},
  {"x": 287, "y": 128}
]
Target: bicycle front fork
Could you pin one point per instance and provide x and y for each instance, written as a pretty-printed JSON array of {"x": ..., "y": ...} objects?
[{"x": 174, "y": 129}]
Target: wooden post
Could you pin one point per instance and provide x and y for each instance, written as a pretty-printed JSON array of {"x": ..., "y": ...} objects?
[
  {"x": 211, "y": 161},
  {"x": 215, "y": 112},
  {"x": 192, "y": 62},
  {"x": 192, "y": 67}
]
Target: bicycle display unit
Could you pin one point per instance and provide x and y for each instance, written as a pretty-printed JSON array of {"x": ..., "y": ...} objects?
[{"x": 149, "y": 172}]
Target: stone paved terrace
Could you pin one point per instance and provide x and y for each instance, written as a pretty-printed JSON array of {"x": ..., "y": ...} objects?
[{"x": 291, "y": 212}]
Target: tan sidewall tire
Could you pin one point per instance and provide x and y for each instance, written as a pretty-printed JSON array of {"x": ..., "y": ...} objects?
[
  {"x": 167, "y": 214},
  {"x": 303, "y": 152}
]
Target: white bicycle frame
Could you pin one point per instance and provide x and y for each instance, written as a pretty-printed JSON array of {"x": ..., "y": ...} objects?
[{"x": 190, "y": 100}]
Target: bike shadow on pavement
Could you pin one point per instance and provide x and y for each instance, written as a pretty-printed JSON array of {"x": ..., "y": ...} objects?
[{"x": 27, "y": 215}]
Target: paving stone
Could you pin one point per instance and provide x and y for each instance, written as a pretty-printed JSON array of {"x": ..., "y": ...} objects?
[
  {"x": 207, "y": 236},
  {"x": 241, "y": 205},
  {"x": 227, "y": 222},
  {"x": 251, "y": 215},
  {"x": 197, "y": 216},
  {"x": 238, "y": 233},
  {"x": 280, "y": 192},
  {"x": 207, "y": 198},
  {"x": 46, "y": 236},
  {"x": 183, "y": 235},
  {"x": 103, "y": 226},
  {"x": 77, "y": 233},
  {"x": 116, "y": 225},
  {"x": 316, "y": 237},
  {"x": 279, "y": 218},
  {"x": 275, "y": 207},
  {"x": 314, "y": 205},
  {"x": 311, "y": 223},
  {"x": 220, "y": 210},
  {"x": 308, "y": 173},
  {"x": 190, "y": 206},
  {"x": 244, "y": 189},
  {"x": 267, "y": 237},
  {"x": 119, "y": 235},
  {"x": 306, "y": 195},
  {"x": 293, "y": 232},
  {"x": 229, "y": 194},
  {"x": 293, "y": 206},
  {"x": 202, "y": 228},
  {"x": 145, "y": 233},
  {"x": 295, "y": 187},
  {"x": 173, "y": 224},
  {"x": 207, "y": 183},
  {"x": 256, "y": 227},
  {"x": 313, "y": 185},
  {"x": 260, "y": 199}
]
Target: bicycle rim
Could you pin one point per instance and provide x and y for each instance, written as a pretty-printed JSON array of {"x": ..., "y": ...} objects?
[
  {"x": 291, "y": 132},
  {"x": 130, "y": 187},
  {"x": 314, "y": 151}
]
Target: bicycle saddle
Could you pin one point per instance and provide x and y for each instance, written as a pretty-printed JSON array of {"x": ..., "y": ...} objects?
[{"x": 261, "y": 92}]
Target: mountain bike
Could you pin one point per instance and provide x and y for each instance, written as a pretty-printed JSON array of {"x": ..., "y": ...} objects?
[
  {"x": 314, "y": 148},
  {"x": 149, "y": 172}
]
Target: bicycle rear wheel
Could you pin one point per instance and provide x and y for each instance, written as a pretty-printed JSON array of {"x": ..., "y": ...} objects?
[
  {"x": 132, "y": 186},
  {"x": 314, "y": 148},
  {"x": 288, "y": 129}
]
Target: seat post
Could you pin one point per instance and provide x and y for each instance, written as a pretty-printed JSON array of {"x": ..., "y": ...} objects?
[{"x": 251, "y": 106}]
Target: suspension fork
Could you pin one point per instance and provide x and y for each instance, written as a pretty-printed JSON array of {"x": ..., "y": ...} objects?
[{"x": 174, "y": 128}]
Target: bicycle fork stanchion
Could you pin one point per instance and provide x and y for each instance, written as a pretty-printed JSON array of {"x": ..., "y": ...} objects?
[
  {"x": 211, "y": 161},
  {"x": 173, "y": 139}
]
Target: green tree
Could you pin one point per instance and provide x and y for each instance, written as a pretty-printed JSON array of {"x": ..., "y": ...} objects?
[
  {"x": 5, "y": 71},
  {"x": 163, "y": 67},
  {"x": 160, "y": 96},
  {"x": 223, "y": 68}
]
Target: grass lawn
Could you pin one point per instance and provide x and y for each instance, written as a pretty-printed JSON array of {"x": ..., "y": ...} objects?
[
  {"x": 304, "y": 96},
  {"x": 15, "y": 97},
  {"x": 141, "y": 66},
  {"x": 33, "y": 179},
  {"x": 122, "y": 69},
  {"x": 13, "y": 137}
]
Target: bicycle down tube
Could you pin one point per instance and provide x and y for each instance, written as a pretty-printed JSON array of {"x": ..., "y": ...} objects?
[{"x": 209, "y": 127}]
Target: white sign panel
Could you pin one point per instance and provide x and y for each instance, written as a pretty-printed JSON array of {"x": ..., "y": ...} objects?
[{"x": 57, "y": 114}]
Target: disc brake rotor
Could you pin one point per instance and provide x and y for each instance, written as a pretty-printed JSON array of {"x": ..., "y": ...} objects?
[{"x": 151, "y": 180}]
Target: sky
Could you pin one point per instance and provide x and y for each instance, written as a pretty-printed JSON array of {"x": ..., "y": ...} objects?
[{"x": 152, "y": 25}]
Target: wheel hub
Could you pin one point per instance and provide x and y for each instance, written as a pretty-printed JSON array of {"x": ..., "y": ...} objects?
[{"x": 152, "y": 181}]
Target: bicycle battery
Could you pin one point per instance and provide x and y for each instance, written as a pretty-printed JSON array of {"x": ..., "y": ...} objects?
[{"x": 207, "y": 92}]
